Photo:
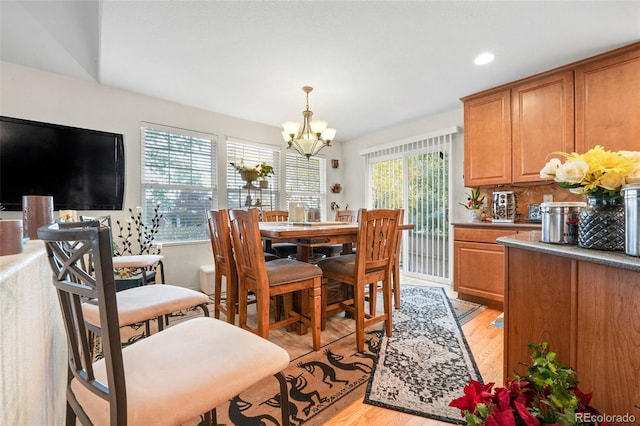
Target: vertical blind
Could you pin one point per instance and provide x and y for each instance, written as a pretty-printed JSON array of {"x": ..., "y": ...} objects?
[
  {"x": 414, "y": 175},
  {"x": 179, "y": 176}
]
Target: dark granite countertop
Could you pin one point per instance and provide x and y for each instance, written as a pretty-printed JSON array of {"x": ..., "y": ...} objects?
[{"x": 533, "y": 241}]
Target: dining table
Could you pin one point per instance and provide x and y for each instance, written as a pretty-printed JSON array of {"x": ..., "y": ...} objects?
[{"x": 307, "y": 235}]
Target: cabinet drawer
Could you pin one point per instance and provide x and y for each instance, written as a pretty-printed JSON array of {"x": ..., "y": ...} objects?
[{"x": 481, "y": 235}]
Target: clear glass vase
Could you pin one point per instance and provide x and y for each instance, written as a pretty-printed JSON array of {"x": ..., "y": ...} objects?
[{"x": 601, "y": 223}]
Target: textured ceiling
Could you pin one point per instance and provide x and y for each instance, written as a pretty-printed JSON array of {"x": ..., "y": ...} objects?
[{"x": 373, "y": 64}]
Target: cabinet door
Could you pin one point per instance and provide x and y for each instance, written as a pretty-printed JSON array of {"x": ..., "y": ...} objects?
[
  {"x": 487, "y": 139},
  {"x": 608, "y": 103},
  {"x": 542, "y": 114},
  {"x": 479, "y": 270}
]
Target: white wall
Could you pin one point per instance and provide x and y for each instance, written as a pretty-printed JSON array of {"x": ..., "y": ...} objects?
[
  {"x": 354, "y": 193},
  {"x": 42, "y": 96}
]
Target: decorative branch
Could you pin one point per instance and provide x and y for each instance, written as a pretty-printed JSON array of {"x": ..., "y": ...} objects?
[{"x": 144, "y": 235}]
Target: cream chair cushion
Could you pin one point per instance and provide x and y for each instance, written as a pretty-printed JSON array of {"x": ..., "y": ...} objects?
[
  {"x": 139, "y": 304},
  {"x": 159, "y": 392}
]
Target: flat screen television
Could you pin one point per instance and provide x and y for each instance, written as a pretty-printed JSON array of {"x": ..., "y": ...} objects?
[{"x": 82, "y": 169}]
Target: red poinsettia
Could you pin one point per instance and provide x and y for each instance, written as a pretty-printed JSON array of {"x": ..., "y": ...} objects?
[{"x": 546, "y": 395}]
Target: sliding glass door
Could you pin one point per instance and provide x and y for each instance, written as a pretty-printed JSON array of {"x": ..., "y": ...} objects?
[{"x": 415, "y": 176}]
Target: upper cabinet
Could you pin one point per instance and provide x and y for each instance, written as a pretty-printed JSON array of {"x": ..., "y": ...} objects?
[
  {"x": 542, "y": 118},
  {"x": 511, "y": 131},
  {"x": 608, "y": 103},
  {"x": 487, "y": 139}
]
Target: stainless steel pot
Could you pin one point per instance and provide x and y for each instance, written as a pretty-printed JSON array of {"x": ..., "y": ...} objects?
[
  {"x": 560, "y": 222},
  {"x": 631, "y": 195}
]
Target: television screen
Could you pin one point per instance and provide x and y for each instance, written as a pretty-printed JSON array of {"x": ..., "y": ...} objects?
[{"x": 82, "y": 169}]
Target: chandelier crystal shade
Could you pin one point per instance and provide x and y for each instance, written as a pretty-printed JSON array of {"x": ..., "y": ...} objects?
[{"x": 312, "y": 137}]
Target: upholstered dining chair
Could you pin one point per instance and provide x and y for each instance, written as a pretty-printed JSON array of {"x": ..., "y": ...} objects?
[
  {"x": 268, "y": 279},
  {"x": 147, "y": 264},
  {"x": 348, "y": 216},
  {"x": 283, "y": 250},
  {"x": 224, "y": 264},
  {"x": 143, "y": 303},
  {"x": 169, "y": 378},
  {"x": 372, "y": 263}
]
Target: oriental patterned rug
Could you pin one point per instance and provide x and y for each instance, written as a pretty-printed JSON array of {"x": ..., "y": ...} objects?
[
  {"x": 321, "y": 383},
  {"x": 427, "y": 362}
]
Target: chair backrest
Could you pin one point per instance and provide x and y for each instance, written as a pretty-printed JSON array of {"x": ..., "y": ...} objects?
[
  {"x": 220, "y": 233},
  {"x": 247, "y": 249},
  {"x": 345, "y": 216},
  {"x": 67, "y": 249},
  {"x": 275, "y": 216},
  {"x": 377, "y": 236}
]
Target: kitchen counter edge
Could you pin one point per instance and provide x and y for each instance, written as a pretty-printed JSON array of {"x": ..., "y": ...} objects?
[
  {"x": 516, "y": 225},
  {"x": 532, "y": 240}
]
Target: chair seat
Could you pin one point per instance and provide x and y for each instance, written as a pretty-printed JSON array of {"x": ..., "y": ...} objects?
[
  {"x": 150, "y": 301},
  {"x": 160, "y": 391},
  {"x": 283, "y": 271},
  {"x": 138, "y": 261}
]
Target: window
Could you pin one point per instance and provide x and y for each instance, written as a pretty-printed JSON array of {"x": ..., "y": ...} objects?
[
  {"x": 179, "y": 176},
  {"x": 306, "y": 181},
  {"x": 252, "y": 154},
  {"x": 414, "y": 175}
]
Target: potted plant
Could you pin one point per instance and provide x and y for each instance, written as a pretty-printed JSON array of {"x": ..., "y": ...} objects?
[
  {"x": 547, "y": 394},
  {"x": 264, "y": 171}
]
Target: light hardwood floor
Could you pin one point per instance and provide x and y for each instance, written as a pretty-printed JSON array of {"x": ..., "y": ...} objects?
[{"x": 486, "y": 343}]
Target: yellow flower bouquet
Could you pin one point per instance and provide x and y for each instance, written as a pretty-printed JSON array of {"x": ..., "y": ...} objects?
[{"x": 596, "y": 172}]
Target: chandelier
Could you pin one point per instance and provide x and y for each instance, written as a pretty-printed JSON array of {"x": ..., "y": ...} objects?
[{"x": 313, "y": 136}]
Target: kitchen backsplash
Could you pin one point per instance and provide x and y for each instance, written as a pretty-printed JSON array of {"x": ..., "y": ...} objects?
[{"x": 526, "y": 195}]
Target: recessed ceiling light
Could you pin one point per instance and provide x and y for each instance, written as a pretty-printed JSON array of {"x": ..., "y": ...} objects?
[{"x": 483, "y": 59}]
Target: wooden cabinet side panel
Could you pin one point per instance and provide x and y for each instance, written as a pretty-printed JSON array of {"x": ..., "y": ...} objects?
[
  {"x": 487, "y": 140},
  {"x": 608, "y": 337},
  {"x": 538, "y": 295},
  {"x": 543, "y": 120},
  {"x": 608, "y": 103}
]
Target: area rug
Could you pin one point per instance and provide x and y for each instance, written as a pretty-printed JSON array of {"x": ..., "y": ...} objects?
[
  {"x": 427, "y": 361},
  {"x": 322, "y": 383}
]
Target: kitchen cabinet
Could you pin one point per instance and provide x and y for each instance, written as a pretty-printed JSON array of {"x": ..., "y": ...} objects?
[
  {"x": 542, "y": 123},
  {"x": 584, "y": 303},
  {"x": 510, "y": 130},
  {"x": 487, "y": 139},
  {"x": 479, "y": 262},
  {"x": 608, "y": 102}
]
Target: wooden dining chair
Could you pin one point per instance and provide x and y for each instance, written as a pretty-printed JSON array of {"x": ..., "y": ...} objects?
[
  {"x": 268, "y": 279},
  {"x": 169, "y": 378},
  {"x": 372, "y": 263},
  {"x": 395, "y": 272},
  {"x": 225, "y": 265},
  {"x": 282, "y": 250},
  {"x": 348, "y": 216}
]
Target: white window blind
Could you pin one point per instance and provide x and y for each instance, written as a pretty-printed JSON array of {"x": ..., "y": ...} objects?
[
  {"x": 251, "y": 154},
  {"x": 306, "y": 182},
  {"x": 179, "y": 175},
  {"x": 414, "y": 175}
]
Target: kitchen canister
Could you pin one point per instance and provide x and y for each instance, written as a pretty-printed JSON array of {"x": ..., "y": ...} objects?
[
  {"x": 631, "y": 195},
  {"x": 560, "y": 221}
]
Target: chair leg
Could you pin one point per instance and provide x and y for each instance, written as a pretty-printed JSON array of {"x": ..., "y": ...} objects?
[
  {"x": 217, "y": 296},
  {"x": 323, "y": 304},
  {"x": 388, "y": 310},
  {"x": 284, "y": 398},
  {"x": 205, "y": 310},
  {"x": 396, "y": 284},
  {"x": 316, "y": 312},
  {"x": 359, "y": 315},
  {"x": 232, "y": 299}
]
